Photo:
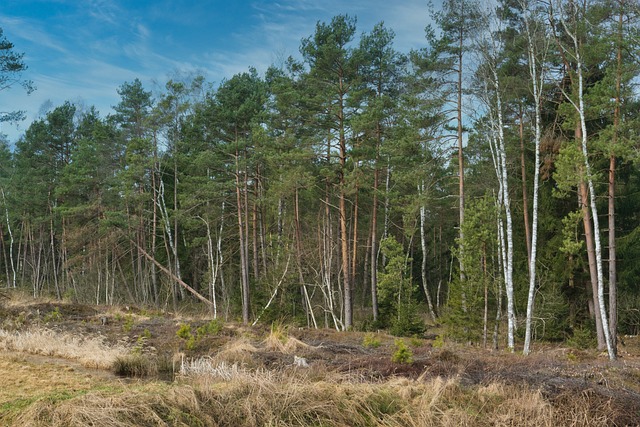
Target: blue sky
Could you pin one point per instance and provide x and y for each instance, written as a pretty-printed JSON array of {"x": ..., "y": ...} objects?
[{"x": 83, "y": 50}]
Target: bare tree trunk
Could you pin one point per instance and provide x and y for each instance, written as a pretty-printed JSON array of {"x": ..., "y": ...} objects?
[
  {"x": 243, "y": 252},
  {"x": 537, "y": 79},
  {"x": 13, "y": 269},
  {"x": 344, "y": 236},
  {"x": 374, "y": 245},
  {"x": 460, "y": 166},
  {"x": 423, "y": 241},
  {"x": 613, "y": 285},
  {"x": 354, "y": 243},
  {"x": 254, "y": 241},
  {"x": 213, "y": 270},
  {"x": 154, "y": 225},
  {"x": 523, "y": 171},
  {"x": 307, "y": 301}
]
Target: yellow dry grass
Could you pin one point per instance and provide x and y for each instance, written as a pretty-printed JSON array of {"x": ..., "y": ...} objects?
[
  {"x": 278, "y": 399},
  {"x": 91, "y": 352}
]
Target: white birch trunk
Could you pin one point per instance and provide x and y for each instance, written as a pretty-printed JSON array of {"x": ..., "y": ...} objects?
[
  {"x": 13, "y": 268},
  {"x": 504, "y": 201},
  {"x": 580, "y": 109},
  {"x": 213, "y": 269},
  {"x": 423, "y": 241},
  {"x": 511, "y": 318},
  {"x": 537, "y": 82}
]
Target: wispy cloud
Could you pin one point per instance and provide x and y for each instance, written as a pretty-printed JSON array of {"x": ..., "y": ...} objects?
[
  {"x": 94, "y": 46},
  {"x": 26, "y": 29}
]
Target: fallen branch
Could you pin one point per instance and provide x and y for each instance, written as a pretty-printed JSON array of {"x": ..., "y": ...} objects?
[{"x": 173, "y": 276}]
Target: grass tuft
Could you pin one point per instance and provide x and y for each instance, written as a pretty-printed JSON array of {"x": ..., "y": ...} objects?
[
  {"x": 90, "y": 352},
  {"x": 134, "y": 365}
]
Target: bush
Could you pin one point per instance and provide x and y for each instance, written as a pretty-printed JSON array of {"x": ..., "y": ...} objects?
[
  {"x": 371, "y": 340},
  {"x": 403, "y": 353},
  {"x": 582, "y": 338},
  {"x": 191, "y": 341}
]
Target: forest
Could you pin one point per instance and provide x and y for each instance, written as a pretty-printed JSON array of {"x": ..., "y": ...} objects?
[{"x": 487, "y": 183}]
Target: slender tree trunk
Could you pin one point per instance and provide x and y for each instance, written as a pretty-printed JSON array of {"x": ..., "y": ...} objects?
[
  {"x": 613, "y": 285},
  {"x": 243, "y": 253},
  {"x": 523, "y": 171},
  {"x": 537, "y": 96},
  {"x": 213, "y": 270},
  {"x": 53, "y": 255},
  {"x": 374, "y": 245},
  {"x": 344, "y": 236},
  {"x": 423, "y": 242},
  {"x": 485, "y": 317},
  {"x": 593, "y": 273},
  {"x": 13, "y": 269},
  {"x": 354, "y": 243},
  {"x": 254, "y": 243},
  {"x": 299, "y": 257},
  {"x": 460, "y": 165},
  {"x": 154, "y": 225}
]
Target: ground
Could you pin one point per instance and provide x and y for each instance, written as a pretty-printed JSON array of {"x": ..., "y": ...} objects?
[{"x": 94, "y": 342}]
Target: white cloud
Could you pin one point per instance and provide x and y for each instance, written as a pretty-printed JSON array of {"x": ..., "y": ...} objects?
[{"x": 19, "y": 28}]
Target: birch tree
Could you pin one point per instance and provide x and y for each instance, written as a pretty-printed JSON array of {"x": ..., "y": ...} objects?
[
  {"x": 571, "y": 19},
  {"x": 536, "y": 55}
]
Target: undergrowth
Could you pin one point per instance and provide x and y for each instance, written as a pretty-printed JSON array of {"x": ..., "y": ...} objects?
[{"x": 243, "y": 398}]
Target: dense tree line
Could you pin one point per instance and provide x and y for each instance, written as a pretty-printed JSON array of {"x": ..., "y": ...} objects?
[{"x": 488, "y": 181}]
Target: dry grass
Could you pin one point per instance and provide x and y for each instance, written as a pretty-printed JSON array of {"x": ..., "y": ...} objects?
[
  {"x": 242, "y": 398},
  {"x": 90, "y": 352}
]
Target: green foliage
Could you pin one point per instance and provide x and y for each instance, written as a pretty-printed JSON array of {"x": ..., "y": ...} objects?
[
  {"x": 128, "y": 323},
  {"x": 438, "y": 342},
  {"x": 463, "y": 316},
  {"x": 184, "y": 331},
  {"x": 371, "y": 340},
  {"x": 583, "y": 338},
  {"x": 403, "y": 354},
  {"x": 398, "y": 308},
  {"x": 11, "y": 68},
  {"x": 212, "y": 327},
  {"x": 53, "y": 316}
]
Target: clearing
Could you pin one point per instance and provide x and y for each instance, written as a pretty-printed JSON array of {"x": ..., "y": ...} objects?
[{"x": 66, "y": 364}]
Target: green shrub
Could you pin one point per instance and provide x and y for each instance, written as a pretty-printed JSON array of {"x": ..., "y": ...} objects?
[
  {"x": 53, "y": 316},
  {"x": 403, "y": 353},
  {"x": 582, "y": 338},
  {"x": 191, "y": 341},
  {"x": 184, "y": 332},
  {"x": 128, "y": 323},
  {"x": 371, "y": 340},
  {"x": 438, "y": 342},
  {"x": 212, "y": 328}
]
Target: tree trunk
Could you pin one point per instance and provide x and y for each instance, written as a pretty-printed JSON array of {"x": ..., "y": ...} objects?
[
  {"x": 244, "y": 273},
  {"x": 423, "y": 241},
  {"x": 613, "y": 285},
  {"x": 523, "y": 171},
  {"x": 374, "y": 245},
  {"x": 537, "y": 96},
  {"x": 460, "y": 165}
]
